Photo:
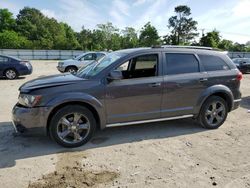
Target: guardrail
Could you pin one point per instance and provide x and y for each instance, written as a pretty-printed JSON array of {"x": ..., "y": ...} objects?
[{"x": 41, "y": 54}]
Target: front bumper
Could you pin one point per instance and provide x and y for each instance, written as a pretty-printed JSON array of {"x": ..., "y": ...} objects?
[
  {"x": 25, "y": 119},
  {"x": 61, "y": 69},
  {"x": 25, "y": 71}
]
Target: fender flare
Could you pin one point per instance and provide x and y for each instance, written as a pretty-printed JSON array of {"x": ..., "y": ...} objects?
[
  {"x": 216, "y": 89},
  {"x": 74, "y": 97}
]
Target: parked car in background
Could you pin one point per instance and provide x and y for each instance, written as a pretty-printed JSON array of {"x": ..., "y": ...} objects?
[
  {"x": 131, "y": 86},
  {"x": 243, "y": 64},
  {"x": 12, "y": 67},
  {"x": 73, "y": 65}
]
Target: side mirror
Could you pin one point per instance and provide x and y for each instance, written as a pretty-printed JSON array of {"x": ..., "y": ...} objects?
[{"x": 115, "y": 75}]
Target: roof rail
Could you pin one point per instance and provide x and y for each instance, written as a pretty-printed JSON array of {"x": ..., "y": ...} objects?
[{"x": 189, "y": 47}]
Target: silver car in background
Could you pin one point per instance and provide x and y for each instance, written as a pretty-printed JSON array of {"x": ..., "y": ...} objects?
[{"x": 83, "y": 60}]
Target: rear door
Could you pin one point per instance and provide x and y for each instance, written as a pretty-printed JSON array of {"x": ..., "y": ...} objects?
[
  {"x": 183, "y": 84},
  {"x": 138, "y": 95}
]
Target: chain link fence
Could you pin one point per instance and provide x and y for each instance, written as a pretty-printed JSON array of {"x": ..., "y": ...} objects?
[
  {"x": 41, "y": 54},
  {"x": 67, "y": 54}
]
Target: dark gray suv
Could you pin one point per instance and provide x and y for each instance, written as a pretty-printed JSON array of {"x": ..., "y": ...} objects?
[{"x": 129, "y": 87}]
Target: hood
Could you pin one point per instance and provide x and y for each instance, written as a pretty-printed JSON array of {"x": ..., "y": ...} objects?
[{"x": 50, "y": 81}]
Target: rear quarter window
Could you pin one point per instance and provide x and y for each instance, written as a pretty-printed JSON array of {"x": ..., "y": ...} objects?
[
  {"x": 4, "y": 59},
  {"x": 213, "y": 63}
]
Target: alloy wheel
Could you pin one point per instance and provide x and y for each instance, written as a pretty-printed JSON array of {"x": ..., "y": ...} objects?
[
  {"x": 73, "y": 128},
  {"x": 215, "y": 113},
  {"x": 10, "y": 74}
]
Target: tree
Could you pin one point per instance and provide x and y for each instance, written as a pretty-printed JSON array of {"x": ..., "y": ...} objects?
[
  {"x": 182, "y": 25},
  {"x": 226, "y": 45},
  {"x": 237, "y": 47},
  {"x": 129, "y": 38},
  {"x": 11, "y": 40},
  {"x": 85, "y": 39},
  {"x": 107, "y": 30},
  {"x": 148, "y": 35},
  {"x": 211, "y": 39},
  {"x": 7, "y": 22}
]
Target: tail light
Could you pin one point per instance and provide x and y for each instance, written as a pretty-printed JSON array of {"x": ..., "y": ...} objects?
[{"x": 239, "y": 76}]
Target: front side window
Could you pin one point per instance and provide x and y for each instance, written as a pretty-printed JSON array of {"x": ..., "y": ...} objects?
[
  {"x": 139, "y": 67},
  {"x": 213, "y": 63},
  {"x": 89, "y": 57},
  {"x": 181, "y": 64}
]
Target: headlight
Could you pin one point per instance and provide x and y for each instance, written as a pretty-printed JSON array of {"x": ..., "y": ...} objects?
[
  {"x": 29, "y": 100},
  {"x": 60, "y": 64}
]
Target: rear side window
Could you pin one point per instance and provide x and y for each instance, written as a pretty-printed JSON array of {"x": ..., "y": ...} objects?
[
  {"x": 181, "y": 63},
  {"x": 3, "y": 59},
  {"x": 213, "y": 63}
]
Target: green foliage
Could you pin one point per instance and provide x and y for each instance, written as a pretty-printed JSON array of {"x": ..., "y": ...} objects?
[
  {"x": 183, "y": 27},
  {"x": 149, "y": 35},
  {"x": 12, "y": 40},
  {"x": 129, "y": 38},
  {"x": 211, "y": 39},
  {"x": 7, "y": 22},
  {"x": 33, "y": 30}
]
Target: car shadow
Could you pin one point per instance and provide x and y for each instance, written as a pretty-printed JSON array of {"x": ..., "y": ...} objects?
[
  {"x": 245, "y": 102},
  {"x": 18, "y": 78},
  {"x": 13, "y": 148}
]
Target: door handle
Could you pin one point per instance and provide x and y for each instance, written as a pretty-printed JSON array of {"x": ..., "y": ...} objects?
[
  {"x": 158, "y": 84},
  {"x": 203, "y": 79}
]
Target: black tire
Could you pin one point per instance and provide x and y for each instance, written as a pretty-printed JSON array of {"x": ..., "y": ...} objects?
[
  {"x": 71, "y": 69},
  {"x": 71, "y": 109},
  {"x": 11, "y": 74},
  {"x": 207, "y": 115}
]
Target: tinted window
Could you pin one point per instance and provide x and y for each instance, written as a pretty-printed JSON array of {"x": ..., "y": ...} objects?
[
  {"x": 213, "y": 63},
  {"x": 181, "y": 64}
]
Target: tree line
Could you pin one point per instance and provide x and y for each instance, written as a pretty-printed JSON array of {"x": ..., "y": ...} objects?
[{"x": 31, "y": 29}]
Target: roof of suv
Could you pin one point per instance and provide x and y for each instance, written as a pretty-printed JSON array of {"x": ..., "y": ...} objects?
[{"x": 191, "y": 49}]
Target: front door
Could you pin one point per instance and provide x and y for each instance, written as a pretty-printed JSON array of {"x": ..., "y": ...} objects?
[{"x": 138, "y": 95}]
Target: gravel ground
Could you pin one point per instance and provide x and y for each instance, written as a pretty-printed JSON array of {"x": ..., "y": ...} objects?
[{"x": 168, "y": 154}]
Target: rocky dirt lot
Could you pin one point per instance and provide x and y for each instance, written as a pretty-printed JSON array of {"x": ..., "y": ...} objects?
[{"x": 168, "y": 154}]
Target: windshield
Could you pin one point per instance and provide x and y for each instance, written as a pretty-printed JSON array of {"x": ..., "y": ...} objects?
[
  {"x": 79, "y": 56},
  {"x": 95, "y": 68}
]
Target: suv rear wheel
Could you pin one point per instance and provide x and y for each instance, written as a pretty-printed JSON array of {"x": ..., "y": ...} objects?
[
  {"x": 213, "y": 112},
  {"x": 72, "y": 126}
]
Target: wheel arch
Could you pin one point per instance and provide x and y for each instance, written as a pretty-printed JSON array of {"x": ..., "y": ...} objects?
[
  {"x": 10, "y": 68},
  {"x": 79, "y": 103},
  {"x": 68, "y": 66},
  {"x": 218, "y": 90}
]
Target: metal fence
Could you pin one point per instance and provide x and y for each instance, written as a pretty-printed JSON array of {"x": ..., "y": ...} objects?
[
  {"x": 41, "y": 54},
  {"x": 67, "y": 54},
  {"x": 239, "y": 54}
]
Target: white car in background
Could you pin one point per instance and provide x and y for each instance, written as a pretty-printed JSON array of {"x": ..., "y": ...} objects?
[{"x": 83, "y": 60}]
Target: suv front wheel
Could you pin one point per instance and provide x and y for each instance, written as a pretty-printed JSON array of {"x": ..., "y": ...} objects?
[
  {"x": 213, "y": 112},
  {"x": 72, "y": 126}
]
